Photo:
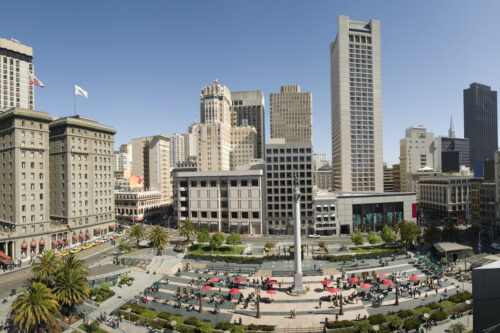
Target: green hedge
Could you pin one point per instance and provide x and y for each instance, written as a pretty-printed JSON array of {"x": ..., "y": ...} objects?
[
  {"x": 439, "y": 315},
  {"x": 460, "y": 297},
  {"x": 249, "y": 259},
  {"x": 394, "y": 320},
  {"x": 405, "y": 313},
  {"x": 446, "y": 304},
  {"x": 412, "y": 323},
  {"x": 377, "y": 319},
  {"x": 340, "y": 324},
  {"x": 343, "y": 257}
]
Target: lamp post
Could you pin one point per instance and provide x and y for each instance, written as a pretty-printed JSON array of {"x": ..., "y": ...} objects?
[
  {"x": 397, "y": 291},
  {"x": 341, "y": 312},
  {"x": 258, "y": 307},
  {"x": 426, "y": 317},
  {"x": 199, "y": 298},
  {"x": 129, "y": 310},
  {"x": 376, "y": 328}
]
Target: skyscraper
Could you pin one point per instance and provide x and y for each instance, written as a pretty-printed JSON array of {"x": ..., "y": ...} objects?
[
  {"x": 356, "y": 97},
  {"x": 291, "y": 115},
  {"x": 191, "y": 142},
  {"x": 248, "y": 109},
  {"x": 480, "y": 121},
  {"x": 15, "y": 87},
  {"x": 214, "y": 145},
  {"x": 176, "y": 149}
]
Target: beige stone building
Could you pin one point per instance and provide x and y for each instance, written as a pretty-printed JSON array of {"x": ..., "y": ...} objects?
[
  {"x": 291, "y": 115},
  {"x": 142, "y": 206},
  {"x": 151, "y": 161},
  {"x": 24, "y": 183},
  {"x": 214, "y": 145},
  {"x": 356, "y": 99},
  {"x": 243, "y": 145},
  {"x": 81, "y": 179},
  {"x": 191, "y": 142},
  {"x": 16, "y": 66}
]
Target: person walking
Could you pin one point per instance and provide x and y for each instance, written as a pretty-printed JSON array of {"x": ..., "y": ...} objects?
[{"x": 320, "y": 304}]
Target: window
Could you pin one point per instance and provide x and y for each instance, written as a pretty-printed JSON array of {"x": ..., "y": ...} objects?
[{"x": 234, "y": 215}]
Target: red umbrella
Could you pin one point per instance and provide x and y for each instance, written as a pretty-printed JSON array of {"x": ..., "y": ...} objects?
[
  {"x": 387, "y": 282},
  {"x": 206, "y": 287},
  {"x": 413, "y": 277},
  {"x": 383, "y": 276},
  {"x": 326, "y": 282},
  {"x": 353, "y": 280},
  {"x": 234, "y": 291},
  {"x": 239, "y": 280},
  {"x": 272, "y": 292},
  {"x": 271, "y": 282},
  {"x": 365, "y": 286},
  {"x": 333, "y": 290},
  {"x": 213, "y": 279}
]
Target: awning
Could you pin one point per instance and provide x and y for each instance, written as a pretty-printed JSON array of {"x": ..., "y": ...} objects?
[
  {"x": 5, "y": 261},
  {"x": 24, "y": 245},
  {"x": 97, "y": 229},
  {"x": 54, "y": 243},
  {"x": 81, "y": 236},
  {"x": 33, "y": 244},
  {"x": 112, "y": 226},
  {"x": 75, "y": 236},
  {"x": 65, "y": 241},
  {"x": 60, "y": 241},
  {"x": 41, "y": 242},
  {"x": 87, "y": 235},
  {"x": 3, "y": 256}
]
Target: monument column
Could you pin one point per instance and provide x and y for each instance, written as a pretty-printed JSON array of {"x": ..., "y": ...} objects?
[{"x": 298, "y": 285}]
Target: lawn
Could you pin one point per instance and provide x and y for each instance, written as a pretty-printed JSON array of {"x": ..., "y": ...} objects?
[
  {"x": 374, "y": 249},
  {"x": 207, "y": 249}
]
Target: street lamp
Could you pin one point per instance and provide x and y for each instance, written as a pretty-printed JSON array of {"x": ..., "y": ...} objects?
[
  {"x": 397, "y": 291},
  {"x": 426, "y": 317},
  {"x": 376, "y": 328},
  {"x": 468, "y": 316},
  {"x": 129, "y": 310}
]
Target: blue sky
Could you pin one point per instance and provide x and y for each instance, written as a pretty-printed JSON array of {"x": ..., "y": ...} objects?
[{"x": 145, "y": 62}]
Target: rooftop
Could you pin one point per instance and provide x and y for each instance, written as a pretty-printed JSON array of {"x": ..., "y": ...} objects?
[
  {"x": 450, "y": 247},
  {"x": 491, "y": 265}
]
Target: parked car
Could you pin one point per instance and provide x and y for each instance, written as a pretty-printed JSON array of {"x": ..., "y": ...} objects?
[
  {"x": 313, "y": 236},
  {"x": 74, "y": 251},
  {"x": 64, "y": 253},
  {"x": 496, "y": 246}
]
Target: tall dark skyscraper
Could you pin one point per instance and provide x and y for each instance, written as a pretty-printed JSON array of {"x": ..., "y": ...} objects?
[{"x": 480, "y": 121}]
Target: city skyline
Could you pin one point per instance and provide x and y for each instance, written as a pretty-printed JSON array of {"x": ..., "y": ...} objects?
[{"x": 416, "y": 51}]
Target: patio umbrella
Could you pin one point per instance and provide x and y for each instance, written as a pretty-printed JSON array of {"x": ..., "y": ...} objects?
[
  {"x": 206, "y": 287},
  {"x": 365, "y": 285},
  {"x": 383, "y": 276},
  {"x": 353, "y": 280},
  {"x": 333, "y": 290},
  {"x": 326, "y": 282},
  {"x": 157, "y": 284},
  {"x": 387, "y": 282},
  {"x": 150, "y": 298},
  {"x": 271, "y": 282},
  {"x": 239, "y": 280},
  {"x": 213, "y": 279},
  {"x": 413, "y": 277},
  {"x": 234, "y": 291},
  {"x": 272, "y": 292}
]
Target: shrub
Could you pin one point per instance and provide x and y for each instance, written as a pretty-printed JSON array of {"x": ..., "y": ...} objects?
[
  {"x": 422, "y": 310},
  {"x": 460, "y": 297},
  {"x": 149, "y": 313},
  {"x": 204, "y": 327},
  {"x": 269, "y": 245},
  {"x": 350, "y": 330},
  {"x": 384, "y": 329},
  {"x": 340, "y": 324},
  {"x": 363, "y": 325},
  {"x": 395, "y": 321},
  {"x": 223, "y": 326},
  {"x": 321, "y": 244},
  {"x": 159, "y": 324},
  {"x": 183, "y": 329},
  {"x": 373, "y": 238},
  {"x": 439, "y": 315},
  {"x": 446, "y": 304},
  {"x": 377, "y": 319},
  {"x": 405, "y": 313},
  {"x": 191, "y": 321},
  {"x": 357, "y": 239},
  {"x": 412, "y": 323},
  {"x": 433, "y": 305},
  {"x": 165, "y": 315}
]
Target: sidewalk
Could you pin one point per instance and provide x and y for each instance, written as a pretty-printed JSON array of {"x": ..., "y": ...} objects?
[{"x": 444, "y": 327}]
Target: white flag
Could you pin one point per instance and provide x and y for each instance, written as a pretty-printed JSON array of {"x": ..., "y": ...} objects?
[{"x": 81, "y": 92}]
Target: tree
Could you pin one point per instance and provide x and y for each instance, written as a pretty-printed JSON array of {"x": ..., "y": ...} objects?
[
  {"x": 451, "y": 232},
  {"x": 408, "y": 232},
  {"x": 357, "y": 239},
  {"x": 34, "y": 308},
  {"x": 203, "y": 236},
  {"x": 125, "y": 247},
  {"x": 188, "y": 230},
  {"x": 216, "y": 240},
  {"x": 71, "y": 285},
  {"x": 137, "y": 232},
  {"x": 432, "y": 234},
  {"x": 158, "y": 238},
  {"x": 93, "y": 327},
  {"x": 457, "y": 328},
  {"x": 269, "y": 245},
  {"x": 233, "y": 239},
  {"x": 373, "y": 238},
  {"x": 388, "y": 235},
  {"x": 45, "y": 270}
]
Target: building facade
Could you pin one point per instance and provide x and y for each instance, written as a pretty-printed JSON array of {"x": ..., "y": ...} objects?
[
  {"x": 248, "y": 109},
  {"x": 415, "y": 153},
  {"x": 81, "y": 178},
  {"x": 341, "y": 213},
  {"x": 388, "y": 179},
  {"x": 15, "y": 87},
  {"x": 224, "y": 201},
  {"x": 284, "y": 161},
  {"x": 445, "y": 197},
  {"x": 243, "y": 145},
  {"x": 396, "y": 177},
  {"x": 191, "y": 142},
  {"x": 177, "y": 145},
  {"x": 138, "y": 206},
  {"x": 356, "y": 100},
  {"x": 324, "y": 178},
  {"x": 122, "y": 158},
  {"x": 291, "y": 115},
  {"x": 449, "y": 144},
  {"x": 480, "y": 121}
]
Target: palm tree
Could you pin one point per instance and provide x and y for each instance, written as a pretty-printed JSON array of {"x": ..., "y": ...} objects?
[
  {"x": 158, "y": 238},
  {"x": 451, "y": 232},
  {"x": 34, "y": 308},
  {"x": 188, "y": 230},
  {"x": 408, "y": 232},
  {"x": 71, "y": 286},
  {"x": 137, "y": 232},
  {"x": 45, "y": 270}
]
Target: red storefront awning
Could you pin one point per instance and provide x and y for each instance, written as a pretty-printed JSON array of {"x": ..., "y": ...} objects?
[
  {"x": 41, "y": 242},
  {"x": 81, "y": 236},
  {"x": 75, "y": 236},
  {"x": 33, "y": 244},
  {"x": 60, "y": 241},
  {"x": 112, "y": 226},
  {"x": 24, "y": 245},
  {"x": 97, "y": 229}
]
